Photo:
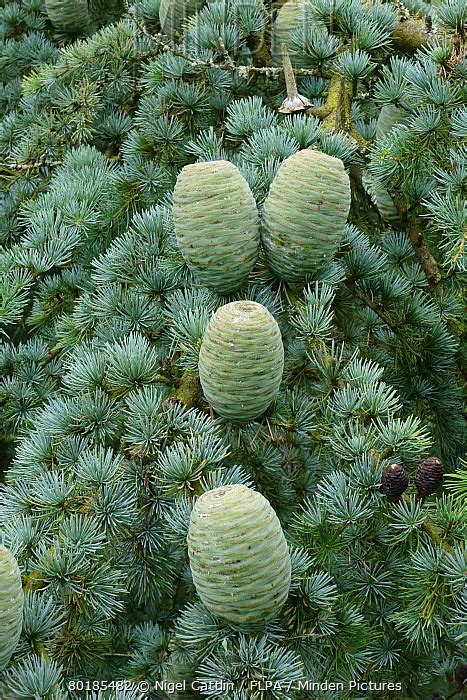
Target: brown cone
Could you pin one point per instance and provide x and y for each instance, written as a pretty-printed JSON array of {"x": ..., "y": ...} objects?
[
  {"x": 394, "y": 481},
  {"x": 429, "y": 476},
  {"x": 461, "y": 677}
]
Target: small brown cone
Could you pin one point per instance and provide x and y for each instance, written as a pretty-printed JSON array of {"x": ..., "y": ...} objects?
[
  {"x": 394, "y": 481},
  {"x": 461, "y": 677},
  {"x": 429, "y": 476}
]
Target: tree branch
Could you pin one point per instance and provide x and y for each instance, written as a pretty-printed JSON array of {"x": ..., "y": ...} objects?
[
  {"x": 427, "y": 261},
  {"x": 189, "y": 390},
  {"x": 374, "y": 305},
  {"x": 335, "y": 113},
  {"x": 34, "y": 165},
  {"x": 436, "y": 536},
  {"x": 165, "y": 45},
  {"x": 433, "y": 531}
]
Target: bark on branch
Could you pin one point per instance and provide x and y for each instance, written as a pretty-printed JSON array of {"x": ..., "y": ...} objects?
[{"x": 427, "y": 261}]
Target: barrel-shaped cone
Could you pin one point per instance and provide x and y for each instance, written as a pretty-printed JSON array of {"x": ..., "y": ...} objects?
[
  {"x": 216, "y": 224},
  {"x": 239, "y": 558},
  {"x": 69, "y": 16},
  {"x": 174, "y": 13},
  {"x": 11, "y": 606},
  {"x": 389, "y": 117},
  {"x": 304, "y": 214},
  {"x": 241, "y": 361},
  {"x": 382, "y": 199},
  {"x": 293, "y": 15}
]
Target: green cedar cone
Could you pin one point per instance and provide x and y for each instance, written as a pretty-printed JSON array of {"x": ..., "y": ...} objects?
[
  {"x": 429, "y": 476},
  {"x": 238, "y": 556},
  {"x": 216, "y": 224},
  {"x": 389, "y": 117},
  {"x": 394, "y": 481},
  {"x": 11, "y": 606},
  {"x": 382, "y": 200},
  {"x": 291, "y": 16},
  {"x": 70, "y": 16},
  {"x": 173, "y": 14},
  {"x": 304, "y": 214},
  {"x": 241, "y": 361},
  {"x": 180, "y": 670}
]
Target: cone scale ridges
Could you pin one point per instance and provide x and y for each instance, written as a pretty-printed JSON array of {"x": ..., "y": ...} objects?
[
  {"x": 11, "y": 606},
  {"x": 241, "y": 361},
  {"x": 238, "y": 556},
  {"x": 216, "y": 224},
  {"x": 429, "y": 476},
  {"x": 394, "y": 481},
  {"x": 389, "y": 117},
  {"x": 173, "y": 14},
  {"x": 305, "y": 214},
  {"x": 382, "y": 199},
  {"x": 291, "y": 16},
  {"x": 70, "y": 16}
]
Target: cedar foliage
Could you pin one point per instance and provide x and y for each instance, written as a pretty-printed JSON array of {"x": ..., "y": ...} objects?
[{"x": 107, "y": 440}]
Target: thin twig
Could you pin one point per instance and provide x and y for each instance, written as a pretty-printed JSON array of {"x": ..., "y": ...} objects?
[
  {"x": 374, "y": 305},
  {"x": 41, "y": 163},
  {"x": 166, "y": 45},
  {"x": 433, "y": 531}
]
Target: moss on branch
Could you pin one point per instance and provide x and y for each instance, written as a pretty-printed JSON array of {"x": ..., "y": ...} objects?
[
  {"x": 189, "y": 390},
  {"x": 335, "y": 113},
  {"x": 427, "y": 261},
  {"x": 410, "y": 35}
]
